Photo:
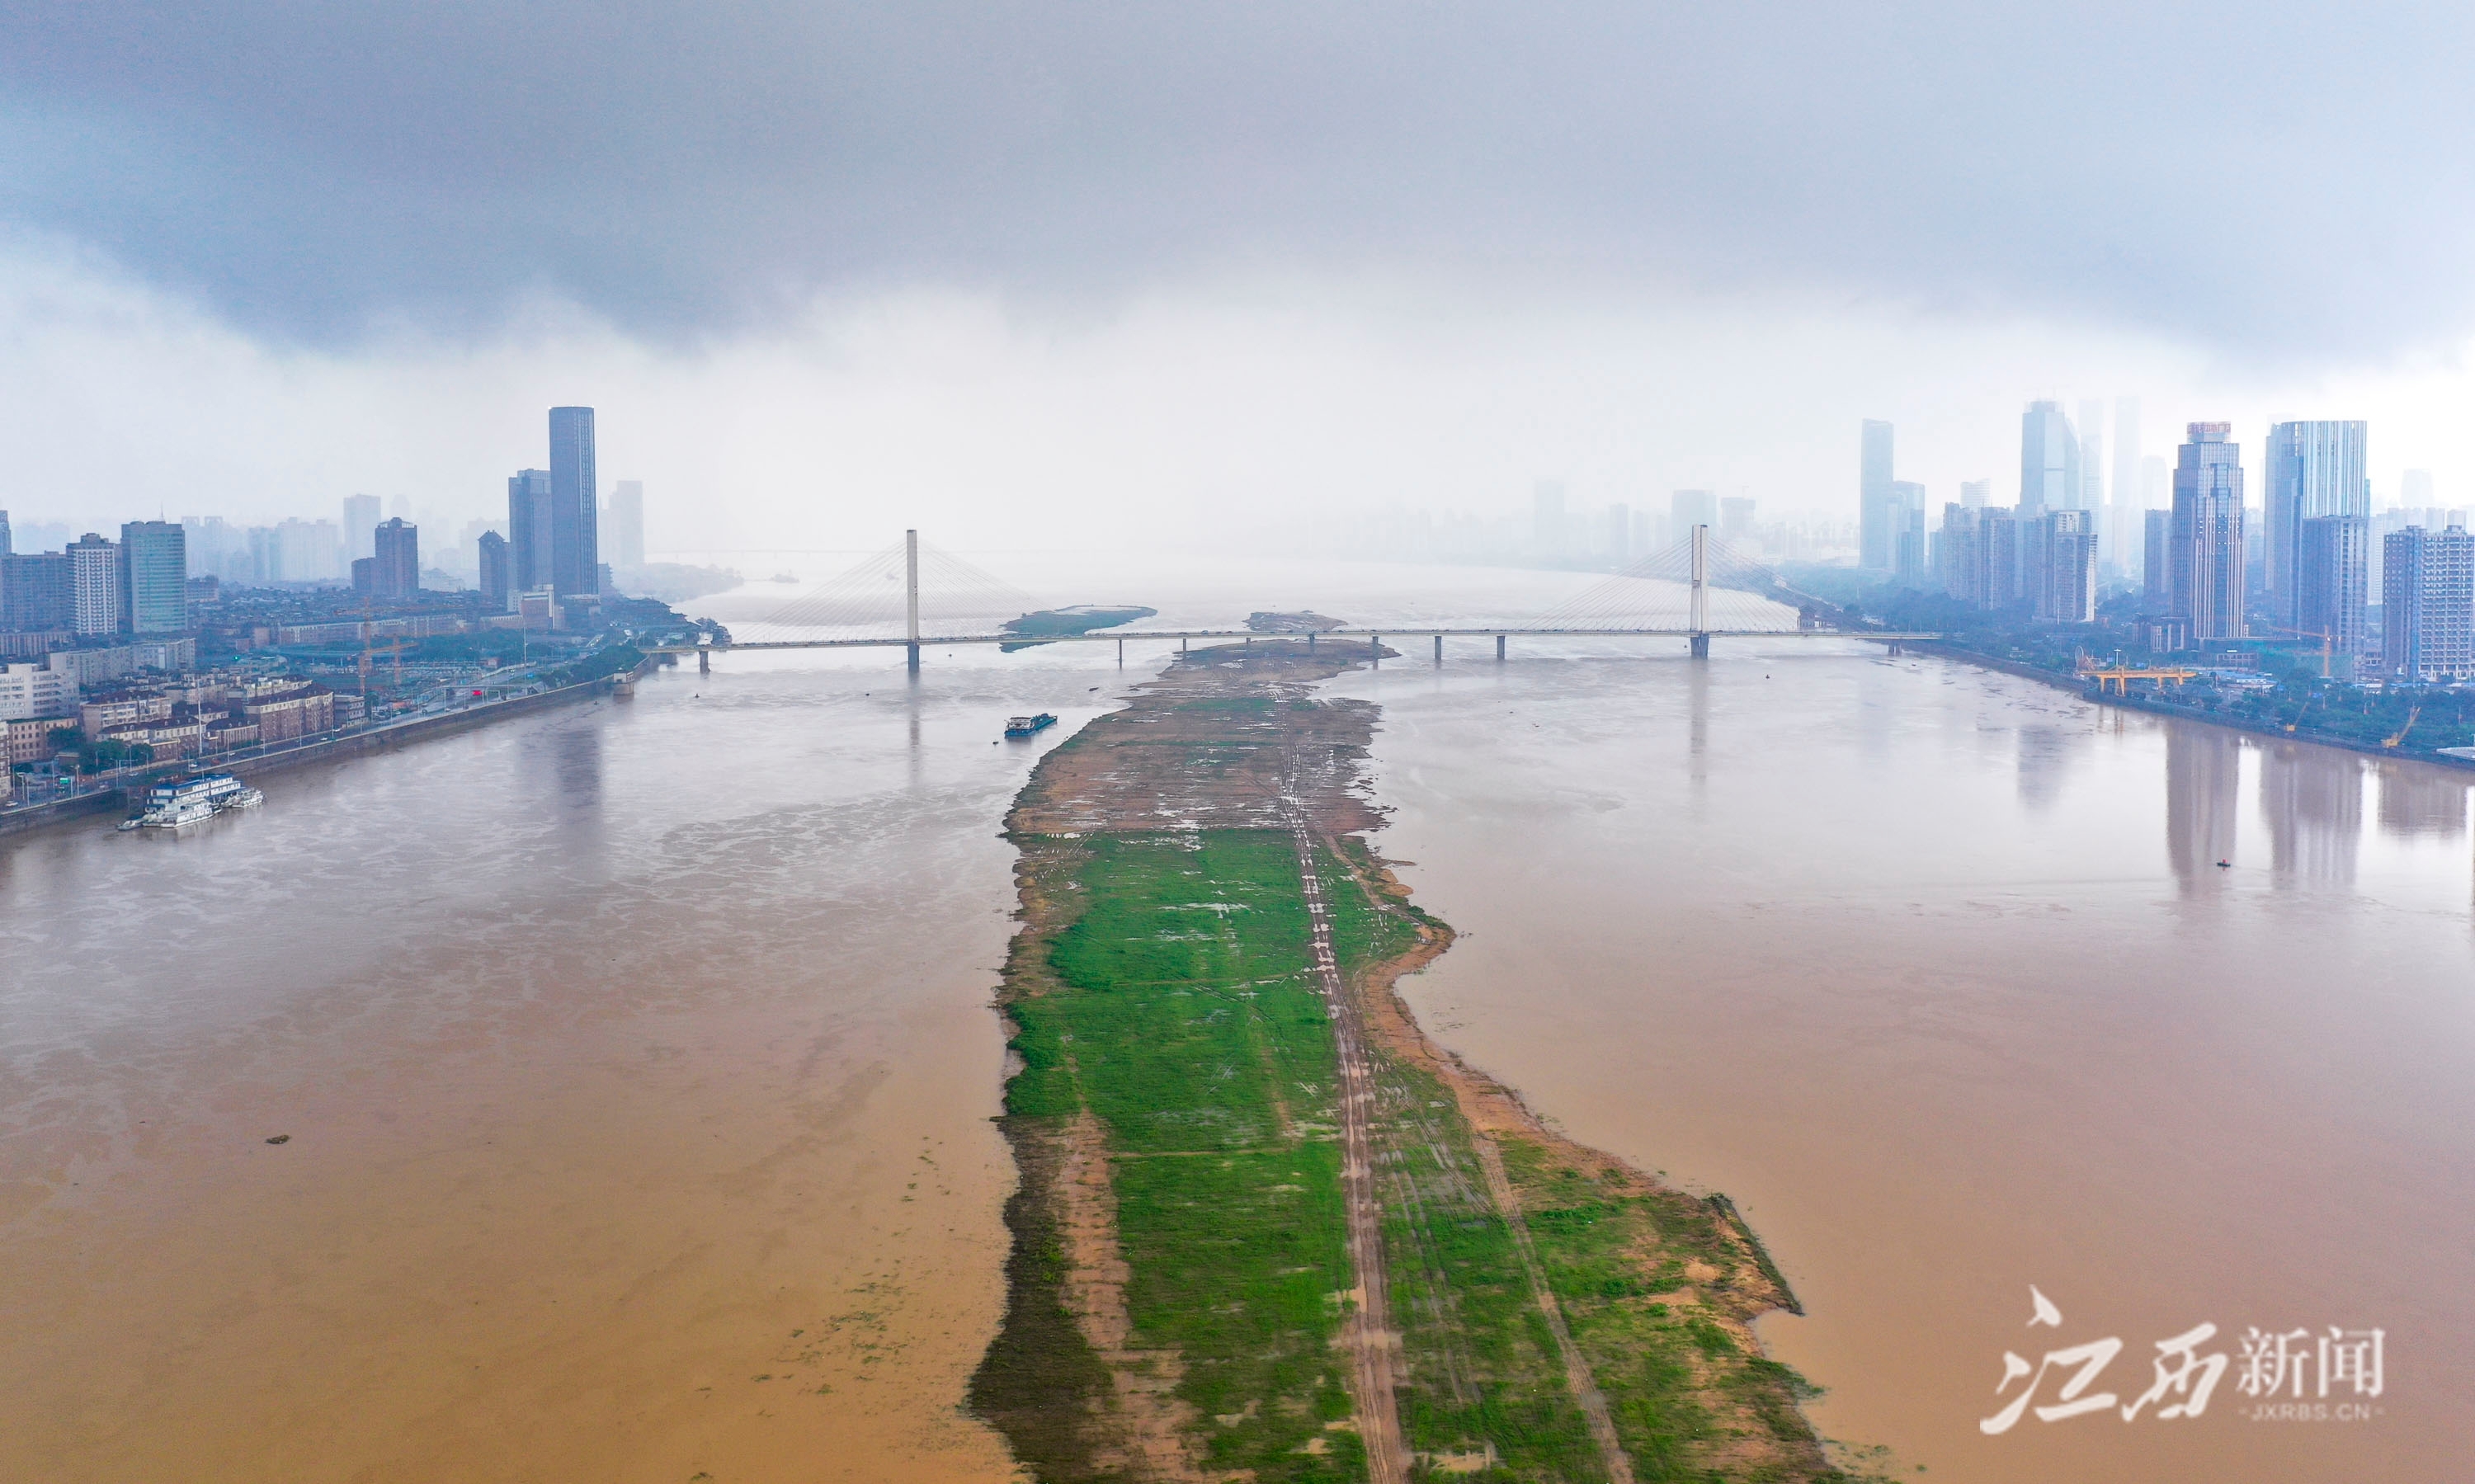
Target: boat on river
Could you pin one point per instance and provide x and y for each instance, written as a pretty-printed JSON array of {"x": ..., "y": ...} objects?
[
  {"x": 191, "y": 800},
  {"x": 1029, "y": 726}
]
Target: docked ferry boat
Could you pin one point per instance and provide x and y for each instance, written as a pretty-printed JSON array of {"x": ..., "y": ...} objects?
[
  {"x": 188, "y": 801},
  {"x": 1026, "y": 726}
]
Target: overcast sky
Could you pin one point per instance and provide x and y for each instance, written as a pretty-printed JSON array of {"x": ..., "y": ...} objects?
[{"x": 1017, "y": 272}]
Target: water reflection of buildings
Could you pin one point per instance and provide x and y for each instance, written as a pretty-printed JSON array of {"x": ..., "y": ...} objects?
[
  {"x": 2420, "y": 799},
  {"x": 2044, "y": 756},
  {"x": 2203, "y": 789},
  {"x": 2312, "y": 801}
]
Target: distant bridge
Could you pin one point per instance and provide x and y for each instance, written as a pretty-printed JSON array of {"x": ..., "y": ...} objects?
[{"x": 1723, "y": 594}]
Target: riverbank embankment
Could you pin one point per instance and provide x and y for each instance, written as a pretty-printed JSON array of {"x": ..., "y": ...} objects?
[{"x": 381, "y": 739}]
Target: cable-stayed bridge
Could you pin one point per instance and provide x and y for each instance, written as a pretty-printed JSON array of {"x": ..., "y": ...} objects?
[{"x": 911, "y": 595}]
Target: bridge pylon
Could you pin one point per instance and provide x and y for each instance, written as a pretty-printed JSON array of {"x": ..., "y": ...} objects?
[
  {"x": 1699, "y": 620},
  {"x": 911, "y": 595}
]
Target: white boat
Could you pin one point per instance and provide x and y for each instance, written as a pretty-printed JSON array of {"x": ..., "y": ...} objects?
[{"x": 189, "y": 800}]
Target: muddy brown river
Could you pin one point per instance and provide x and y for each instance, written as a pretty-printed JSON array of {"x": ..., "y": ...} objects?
[{"x": 635, "y": 1062}]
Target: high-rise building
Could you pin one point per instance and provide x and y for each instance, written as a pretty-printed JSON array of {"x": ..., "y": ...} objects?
[
  {"x": 2333, "y": 568},
  {"x": 2049, "y": 461},
  {"x": 95, "y": 586},
  {"x": 1689, "y": 508},
  {"x": 1974, "y": 494},
  {"x": 361, "y": 526},
  {"x": 397, "y": 573},
  {"x": 2315, "y": 470},
  {"x": 2207, "y": 548},
  {"x": 309, "y": 552},
  {"x": 495, "y": 563},
  {"x": 1736, "y": 517},
  {"x": 1908, "y": 551},
  {"x": 155, "y": 576},
  {"x": 1978, "y": 555},
  {"x": 38, "y": 595},
  {"x": 1615, "y": 533},
  {"x": 2126, "y": 528},
  {"x": 528, "y": 529},
  {"x": 575, "y": 503},
  {"x": 1877, "y": 522},
  {"x": 2428, "y": 604},
  {"x": 6, "y": 549},
  {"x": 628, "y": 524},
  {"x": 2415, "y": 489},
  {"x": 2157, "y": 563},
  {"x": 2091, "y": 428},
  {"x": 2065, "y": 564}
]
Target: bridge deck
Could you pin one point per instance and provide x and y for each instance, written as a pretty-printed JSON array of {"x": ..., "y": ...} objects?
[{"x": 1402, "y": 631}]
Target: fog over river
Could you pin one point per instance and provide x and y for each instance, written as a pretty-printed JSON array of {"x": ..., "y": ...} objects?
[{"x": 637, "y": 1060}]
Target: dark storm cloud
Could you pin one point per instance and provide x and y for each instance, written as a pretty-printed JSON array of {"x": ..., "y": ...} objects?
[{"x": 2285, "y": 182}]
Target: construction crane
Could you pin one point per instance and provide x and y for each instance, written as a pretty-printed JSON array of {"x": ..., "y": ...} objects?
[
  {"x": 2322, "y": 635},
  {"x": 2412, "y": 712}
]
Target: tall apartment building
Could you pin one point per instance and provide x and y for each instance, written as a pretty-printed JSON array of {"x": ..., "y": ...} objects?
[
  {"x": 1909, "y": 532},
  {"x": 1876, "y": 533},
  {"x": 37, "y": 592},
  {"x": 2332, "y": 566},
  {"x": 495, "y": 563},
  {"x": 2315, "y": 470},
  {"x": 1975, "y": 494},
  {"x": 1979, "y": 555},
  {"x": 155, "y": 576},
  {"x": 6, "y": 548},
  {"x": 2428, "y": 602},
  {"x": 2157, "y": 563},
  {"x": 2064, "y": 566},
  {"x": 95, "y": 586},
  {"x": 2049, "y": 461},
  {"x": 2207, "y": 548},
  {"x": 394, "y": 570},
  {"x": 528, "y": 529},
  {"x": 575, "y": 503}
]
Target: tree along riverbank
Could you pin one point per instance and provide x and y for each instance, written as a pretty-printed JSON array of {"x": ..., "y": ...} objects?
[{"x": 1266, "y": 1228}]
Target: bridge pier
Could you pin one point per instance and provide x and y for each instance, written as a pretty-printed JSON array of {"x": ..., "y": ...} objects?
[
  {"x": 1311, "y": 639},
  {"x": 704, "y": 659},
  {"x": 1701, "y": 646},
  {"x": 1440, "y": 651},
  {"x": 1121, "y": 654},
  {"x": 1499, "y": 649},
  {"x": 914, "y": 652},
  {"x": 1375, "y": 652}
]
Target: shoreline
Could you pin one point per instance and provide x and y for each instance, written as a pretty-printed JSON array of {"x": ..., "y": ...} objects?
[
  {"x": 27, "y": 818},
  {"x": 1506, "y": 1297},
  {"x": 2156, "y": 708}
]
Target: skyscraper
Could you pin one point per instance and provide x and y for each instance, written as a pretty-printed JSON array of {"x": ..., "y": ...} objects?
[
  {"x": 2049, "y": 461},
  {"x": 1974, "y": 494},
  {"x": 1979, "y": 555},
  {"x": 528, "y": 528},
  {"x": 95, "y": 586},
  {"x": 496, "y": 583},
  {"x": 360, "y": 525},
  {"x": 1547, "y": 516},
  {"x": 627, "y": 524},
  {"x": 155, "y": 576},
  {"x": 1908, "y": 512},
  {"x": 575, "y": 503},
  {"x": 2315, "y": 470},
  {"x": 2091, "y": 428},
  {"x": 2157, "y": 562},
  {"x": 2207, "y": 546},
  {"x": 2333, "y": 567},
  {"x": 1877, "y": 536},
  {"x": 2064, "y": 563},
  {"x": 396, "y": 573},
  {"x": 2428, "y": 602},
  {"x": 6, "y": 549}
]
